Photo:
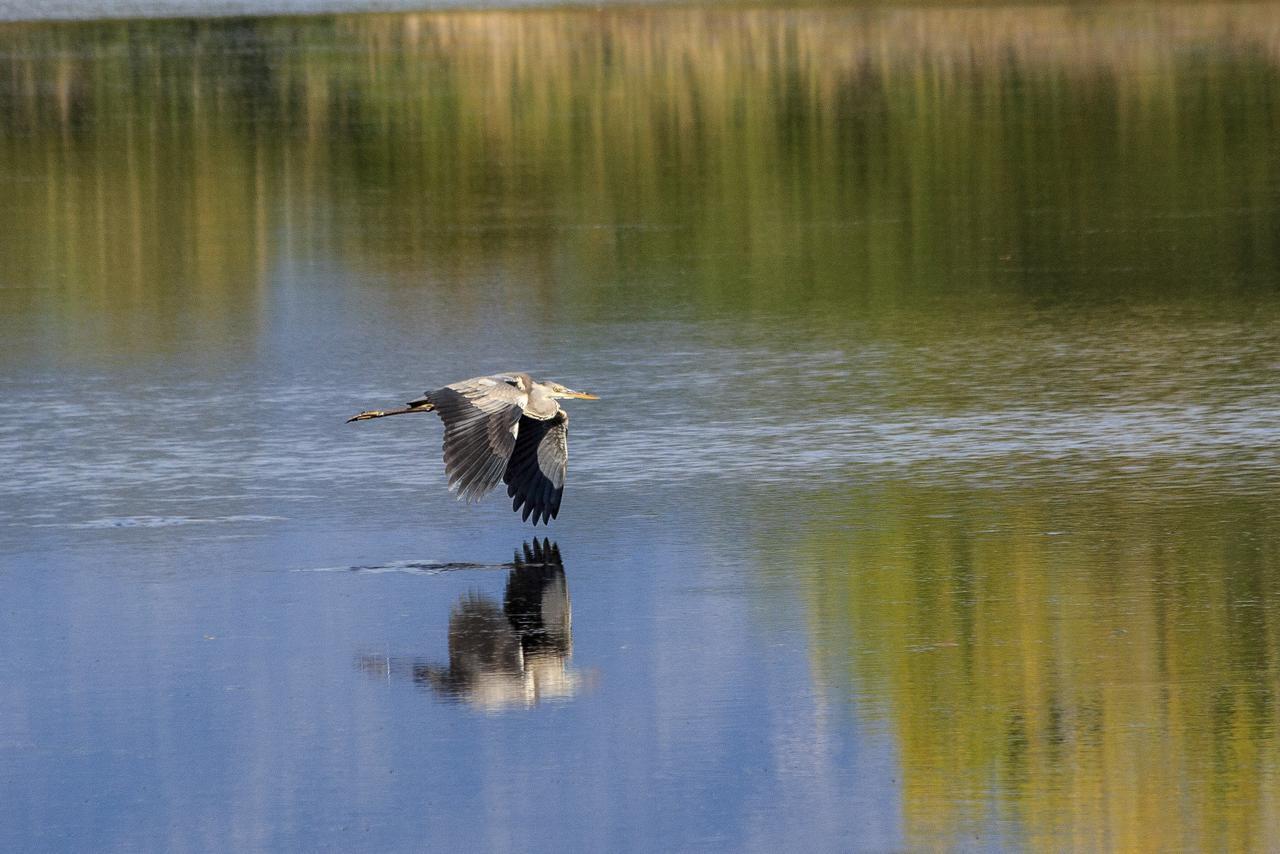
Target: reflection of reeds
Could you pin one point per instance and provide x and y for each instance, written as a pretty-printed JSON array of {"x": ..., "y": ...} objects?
[
  {"x": 1101, "y": 672},
  {"x": 841, "y": 157}
]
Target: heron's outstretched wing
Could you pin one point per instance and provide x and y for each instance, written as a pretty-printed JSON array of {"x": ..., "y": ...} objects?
[
  {"x": 535, "y": 474},
  {"x": 480, "y": 418}
]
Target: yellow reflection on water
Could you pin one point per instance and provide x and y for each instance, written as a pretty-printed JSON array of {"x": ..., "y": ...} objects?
[
  {"x": 1091, "y": 667},
  {"x": 763, "y": 159}
]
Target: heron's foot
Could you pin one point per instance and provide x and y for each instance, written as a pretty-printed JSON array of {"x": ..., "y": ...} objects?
[{"x": 366, "y": 415}]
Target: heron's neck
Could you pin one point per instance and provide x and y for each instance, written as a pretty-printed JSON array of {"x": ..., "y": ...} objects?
[{"x": 541, "y": 405}]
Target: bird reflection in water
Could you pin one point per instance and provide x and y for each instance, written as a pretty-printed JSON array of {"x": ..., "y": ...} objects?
[{"x": 516, "y": 654}]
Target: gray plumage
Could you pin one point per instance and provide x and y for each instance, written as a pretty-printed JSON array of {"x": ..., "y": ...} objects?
[{"x": 503, "y": 427}]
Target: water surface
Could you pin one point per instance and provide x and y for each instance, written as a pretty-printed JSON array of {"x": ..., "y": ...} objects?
[{"x": 930, "y": 502}]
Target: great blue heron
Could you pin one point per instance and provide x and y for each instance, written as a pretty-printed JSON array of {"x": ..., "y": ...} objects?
[{"x": 506, "y": 427}]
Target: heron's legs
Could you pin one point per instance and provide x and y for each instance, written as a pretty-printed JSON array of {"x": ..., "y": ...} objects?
[{"x": 383, "y": 413}]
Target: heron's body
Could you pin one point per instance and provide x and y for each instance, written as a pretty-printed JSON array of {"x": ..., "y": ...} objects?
[{"x": 503, "y": 427}]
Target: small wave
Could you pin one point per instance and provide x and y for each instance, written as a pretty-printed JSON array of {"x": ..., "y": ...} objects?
[
  {"x": 412, "y": 567},
  {"x": 415, "y": 567}
]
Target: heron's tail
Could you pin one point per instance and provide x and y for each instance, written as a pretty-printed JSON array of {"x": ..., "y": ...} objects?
[{"x": 424, "y": 406}]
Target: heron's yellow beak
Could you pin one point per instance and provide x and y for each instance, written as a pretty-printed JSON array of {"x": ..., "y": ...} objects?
[{"x": 581, "y": 395}]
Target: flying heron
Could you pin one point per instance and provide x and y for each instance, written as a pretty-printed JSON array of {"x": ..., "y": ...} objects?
[{"x": 507, "y": 427}]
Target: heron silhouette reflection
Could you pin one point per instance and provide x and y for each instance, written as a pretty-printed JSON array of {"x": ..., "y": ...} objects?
[{"x": 513, "y": 654}]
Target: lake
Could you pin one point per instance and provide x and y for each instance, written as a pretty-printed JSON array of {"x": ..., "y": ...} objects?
[{"x": 930, "y": 502}]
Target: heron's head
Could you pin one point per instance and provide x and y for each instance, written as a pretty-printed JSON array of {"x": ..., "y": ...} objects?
[{"x": 557, "y": 390}]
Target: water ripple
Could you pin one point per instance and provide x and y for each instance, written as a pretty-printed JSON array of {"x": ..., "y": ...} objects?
[{"x": 1047, "y": 405}]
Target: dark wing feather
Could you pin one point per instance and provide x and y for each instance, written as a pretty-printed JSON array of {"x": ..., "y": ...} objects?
[
  {"x": 535, "y": 474},
  {"x": 480, "y": 418}
]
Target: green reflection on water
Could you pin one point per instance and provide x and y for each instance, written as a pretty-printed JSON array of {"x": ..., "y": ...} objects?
[
  {"x": 1101, "y": 662},
  {"x": 849, "y": 162},
  {"x": 1101, "y": 666}
]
